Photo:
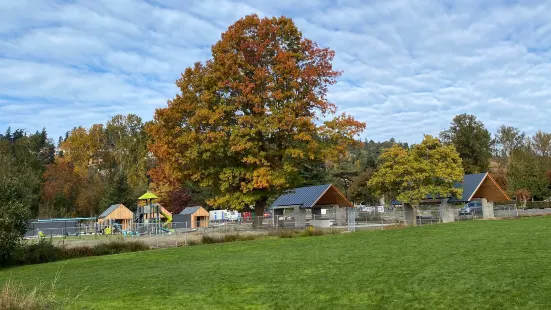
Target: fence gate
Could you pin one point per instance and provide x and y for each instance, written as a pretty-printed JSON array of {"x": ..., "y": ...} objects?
[{"x": 351, "y": 219}]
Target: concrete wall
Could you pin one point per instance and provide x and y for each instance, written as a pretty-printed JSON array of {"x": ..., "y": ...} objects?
[
  {"x": 277, "y": 214},
  {"x": 447, "y": 211},
  {"x": 340, "y": 216},
  {"x": 487, "y": 209},
  {"x": 300, "y": 217}
]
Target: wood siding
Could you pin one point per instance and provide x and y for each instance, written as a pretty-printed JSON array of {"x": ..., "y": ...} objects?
[
  {"x": 490, "y": 190},
  {"x": 201, "y": 214},
  {"x": 333, "y": 196},
  {"x": 120, "y": 215}
]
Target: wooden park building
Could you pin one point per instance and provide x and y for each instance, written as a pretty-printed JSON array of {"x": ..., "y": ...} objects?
[{"x": 116, "y": 213}]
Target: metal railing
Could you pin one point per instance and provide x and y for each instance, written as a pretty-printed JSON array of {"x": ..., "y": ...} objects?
[{"x": 182, "y": 233}]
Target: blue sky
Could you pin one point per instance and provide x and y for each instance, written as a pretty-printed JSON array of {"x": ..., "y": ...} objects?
[{"x": 408, "y": 66}]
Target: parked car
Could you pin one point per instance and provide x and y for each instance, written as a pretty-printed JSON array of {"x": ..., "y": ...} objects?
[{"x": 471, "y": 208}]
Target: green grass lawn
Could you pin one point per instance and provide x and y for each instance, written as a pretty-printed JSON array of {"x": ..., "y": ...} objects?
[{"x": 465, "y": 265}]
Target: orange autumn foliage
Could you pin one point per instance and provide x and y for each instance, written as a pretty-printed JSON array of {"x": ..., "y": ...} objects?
[{"x": 247, "y": 120}]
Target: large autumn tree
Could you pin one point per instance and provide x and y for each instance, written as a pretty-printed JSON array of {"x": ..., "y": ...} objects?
[
  {"x": 428, "y": 169},
  {"x": 248, "y": 120}
]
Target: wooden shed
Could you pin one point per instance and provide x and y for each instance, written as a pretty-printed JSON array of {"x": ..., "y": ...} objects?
[
  {"x": 193, "y": 217},
  {"x": 116, "y": 213}
]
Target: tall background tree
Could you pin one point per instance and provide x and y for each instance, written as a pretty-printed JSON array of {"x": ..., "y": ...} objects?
[
  {"x": 472, "y": 141},
  {"x": 100, "y": 166},
  {"x": 248, "y": 120},
  {"x": 507, "y": 139}
]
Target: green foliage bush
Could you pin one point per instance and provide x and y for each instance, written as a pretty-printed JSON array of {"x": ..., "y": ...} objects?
[
  {"x": 208, "y": 239},
  {"x": 537, "y": 204},
  {"x": 44, "y": 251},
  {"x": 310, "y": 231},
  {"x": 284, "y": 233}
]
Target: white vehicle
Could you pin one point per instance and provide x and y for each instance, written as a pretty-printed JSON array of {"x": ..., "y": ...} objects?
[{"x": 224, "y": 215}]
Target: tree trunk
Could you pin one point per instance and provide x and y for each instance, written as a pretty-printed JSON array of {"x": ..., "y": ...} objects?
[
  {"x": 410, "y": 214},
  {"x": 259, "y": 207}
]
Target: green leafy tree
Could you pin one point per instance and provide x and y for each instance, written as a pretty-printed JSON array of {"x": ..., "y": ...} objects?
[
  {"x": 127, "y": 145},
  {"x": 428, "y": 169},
  {"x": 472, "y": 141},
  {"x": 527, "y": 172},
  {"x": 359, "y": 189},
  {"x": 247, "y": 121},
  {"x": 372, "y": 151},
  {"x": 24, "y": 157},
  {"x": 14, "y": 216}
]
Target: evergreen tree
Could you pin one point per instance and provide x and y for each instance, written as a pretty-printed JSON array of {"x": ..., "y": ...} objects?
[{"x": 472, "y": 141}]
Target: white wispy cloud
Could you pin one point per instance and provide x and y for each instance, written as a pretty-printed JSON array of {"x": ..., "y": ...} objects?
[{"x": 408, "y": 66}]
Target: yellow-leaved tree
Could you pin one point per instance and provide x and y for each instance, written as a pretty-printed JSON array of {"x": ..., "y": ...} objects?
[{"x": 428, "y": 169}]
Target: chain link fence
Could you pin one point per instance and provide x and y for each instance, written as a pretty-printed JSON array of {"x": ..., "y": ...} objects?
[{"x": 183, "y": 233}]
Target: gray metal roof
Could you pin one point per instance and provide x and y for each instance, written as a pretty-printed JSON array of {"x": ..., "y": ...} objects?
[
  {"x": 109, "y": 210},
  {"x": 190, "y": 210},
  {"x": 305, "y": 197},
  {"x": 470, "y": 183}
]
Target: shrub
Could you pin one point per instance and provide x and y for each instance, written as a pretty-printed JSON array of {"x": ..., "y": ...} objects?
[
  {"x": 538, "y": 204},
  {"x": 247, "y": 237},
  {"x": 193, "y": 242},
  {"x": 231, "y": 237},
  {"x": 44, "y": 251},
  {"x": 208, "y": 239},
  {"x": 284, "y": 233}
]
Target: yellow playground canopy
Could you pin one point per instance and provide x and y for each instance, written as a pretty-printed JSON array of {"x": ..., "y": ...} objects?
[{"x": 148, "y": 196}]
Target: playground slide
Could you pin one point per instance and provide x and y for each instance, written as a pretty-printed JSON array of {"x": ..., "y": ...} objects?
[{"x": 168, "y": 220}]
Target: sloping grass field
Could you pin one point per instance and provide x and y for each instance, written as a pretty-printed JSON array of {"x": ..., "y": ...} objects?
[{"x": 465, "y": 265}]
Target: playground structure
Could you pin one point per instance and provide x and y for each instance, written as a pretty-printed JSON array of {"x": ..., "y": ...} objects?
[{"x": 149, "y": 219}]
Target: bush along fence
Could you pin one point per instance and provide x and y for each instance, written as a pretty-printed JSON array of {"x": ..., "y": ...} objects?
[{"x": 45, "y": 251}]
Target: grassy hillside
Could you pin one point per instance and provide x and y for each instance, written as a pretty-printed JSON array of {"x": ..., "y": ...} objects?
[{"x": 475, "y": 264}]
